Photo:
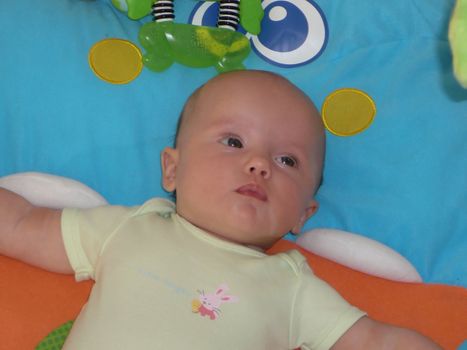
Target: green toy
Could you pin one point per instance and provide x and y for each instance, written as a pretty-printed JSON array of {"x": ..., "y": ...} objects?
[
  {"x": 193, "y": 46},
  {"x": 135, "y": 9},
  {"x": 251, "y": 15},
  {"x": 458, "y": 41},
  {"x": 167, "y": 42},
  {"x": 55, "y": 339},
  {"x": 251, "y": 12}
]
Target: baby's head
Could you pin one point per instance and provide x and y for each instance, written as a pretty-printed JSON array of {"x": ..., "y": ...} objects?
[{"x": 247, "y": 159}]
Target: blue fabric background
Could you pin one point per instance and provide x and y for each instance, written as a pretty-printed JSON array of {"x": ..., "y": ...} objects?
[{"x": 401, "y": 182}]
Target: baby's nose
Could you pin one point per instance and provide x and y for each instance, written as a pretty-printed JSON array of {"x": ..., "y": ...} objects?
[{"x": 259, "y": 166}]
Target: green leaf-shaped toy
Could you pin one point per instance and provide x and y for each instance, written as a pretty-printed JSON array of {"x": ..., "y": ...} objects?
[{"x": 458, "y": 41}]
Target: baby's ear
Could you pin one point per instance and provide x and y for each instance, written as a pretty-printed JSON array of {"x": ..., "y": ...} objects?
[
  {"x": 169, "y": 162},
  {"x": 308, "y": 213}
]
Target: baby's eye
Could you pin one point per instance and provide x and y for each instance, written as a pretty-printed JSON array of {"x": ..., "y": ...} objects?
[
  {"x": 287, "y": 161},
  {"x": 232, "y": 141}
]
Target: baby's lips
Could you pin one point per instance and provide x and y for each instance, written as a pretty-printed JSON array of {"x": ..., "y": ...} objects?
[{"x": 253, "y": 190}]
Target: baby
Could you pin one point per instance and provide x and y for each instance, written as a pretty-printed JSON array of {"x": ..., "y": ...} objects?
[{"x": 247, "y": 161}]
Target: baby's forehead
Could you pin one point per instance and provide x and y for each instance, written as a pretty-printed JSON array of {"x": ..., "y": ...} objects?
[
  {"x": 236, "y": 82},
  {"x": 250, "y": 93},
  {"x": 256, "y": 89}
]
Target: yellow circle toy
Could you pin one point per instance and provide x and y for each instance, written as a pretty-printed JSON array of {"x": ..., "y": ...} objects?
[
  {"x": 116, "y": 61},
  {"x": 348, "y": 111}
]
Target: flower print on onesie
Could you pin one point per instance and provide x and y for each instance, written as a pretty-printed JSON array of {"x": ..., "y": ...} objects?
[{"x": 209, "y": 304}]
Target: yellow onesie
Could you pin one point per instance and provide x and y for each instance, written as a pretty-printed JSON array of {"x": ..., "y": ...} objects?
[{"x": 162, "y": 283}]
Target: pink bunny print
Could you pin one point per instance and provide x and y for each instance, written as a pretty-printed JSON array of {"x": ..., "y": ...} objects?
[{"x": 209, "y": 304}]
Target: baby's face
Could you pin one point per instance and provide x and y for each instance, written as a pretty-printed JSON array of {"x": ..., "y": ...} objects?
[{"x": 248, "y": 159}]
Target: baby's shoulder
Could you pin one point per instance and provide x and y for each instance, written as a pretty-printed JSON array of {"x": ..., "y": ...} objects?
[
  {"x": 160, "y": 206},
  {"x": 293, "y": 260}
]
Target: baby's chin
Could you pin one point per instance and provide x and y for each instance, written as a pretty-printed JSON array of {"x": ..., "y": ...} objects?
[
  {"x": 245, "y": 222},
  {"x": 255, "y": 236},
  {"x": 242, "y": 233},
  {"x": 248, "y": 210}
]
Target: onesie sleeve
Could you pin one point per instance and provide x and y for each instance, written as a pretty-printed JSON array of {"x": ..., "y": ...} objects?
[
  {"x": 320, "y": 315},
  {"x": 85, "y": 232}
]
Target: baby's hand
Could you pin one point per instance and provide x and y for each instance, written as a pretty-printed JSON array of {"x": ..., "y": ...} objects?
[{"x": 31, "y": 234}]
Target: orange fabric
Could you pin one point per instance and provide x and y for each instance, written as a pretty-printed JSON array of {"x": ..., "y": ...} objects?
[
  {"x": 33, "y": 302},
  {"x": 438, "y": 311}
]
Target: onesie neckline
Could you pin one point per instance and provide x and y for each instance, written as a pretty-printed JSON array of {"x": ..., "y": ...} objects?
[{"x": 216, "y": 241}]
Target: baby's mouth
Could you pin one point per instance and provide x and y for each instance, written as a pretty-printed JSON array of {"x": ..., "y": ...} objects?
[{"x": 253, "y": 190}]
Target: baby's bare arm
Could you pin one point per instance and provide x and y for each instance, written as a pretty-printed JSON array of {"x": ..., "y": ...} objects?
[
  {"x": 31, "y": 234},
  {"x": 370, "y": 334}
]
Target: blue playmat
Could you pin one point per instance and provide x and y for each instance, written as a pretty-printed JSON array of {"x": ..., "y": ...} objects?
[{"x": 401, "y": 181}]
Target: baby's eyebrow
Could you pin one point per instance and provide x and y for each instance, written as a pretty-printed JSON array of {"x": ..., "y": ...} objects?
[
  {"x": 232, "y": 127},
  {"x": 227, "y": 121},
  {"x": 295, "y": 147}
]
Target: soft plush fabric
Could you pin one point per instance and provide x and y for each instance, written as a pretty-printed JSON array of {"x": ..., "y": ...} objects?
[
  {"x": 359, "y": 253},
  {"x": 400, "y": 182},
  {"x": 34, "y": 302}
]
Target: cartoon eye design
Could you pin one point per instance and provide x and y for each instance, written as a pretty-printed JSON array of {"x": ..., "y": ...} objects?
[
  {"x": 293, "y": 32},
  {"x": 205, "y": 14}
]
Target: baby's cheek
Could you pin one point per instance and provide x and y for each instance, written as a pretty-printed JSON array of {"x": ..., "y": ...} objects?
[{"x": 293, "y": 208}]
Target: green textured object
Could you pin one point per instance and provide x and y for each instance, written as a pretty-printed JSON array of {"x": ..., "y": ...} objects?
[
  {"x": 193, "y": 46},
  {"x": 251, "y": 14},
  {"x": 135, "y": 9},
  {"x": 458, "y": 41},
  {"x": 55, "y": 339}
]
